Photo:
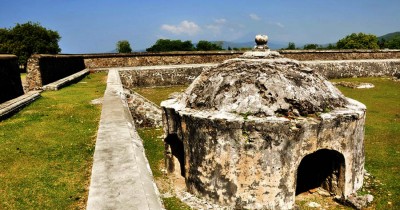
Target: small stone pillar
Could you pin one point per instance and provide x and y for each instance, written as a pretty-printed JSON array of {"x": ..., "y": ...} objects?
[{"x": 261, "y": 41}]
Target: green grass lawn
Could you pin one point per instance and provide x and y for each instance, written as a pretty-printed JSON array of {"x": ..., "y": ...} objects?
[
  {"x": 158, "y": 94},
  {"x": 382, "y": 136},
  {"x": 154, "y": 146},
  {"x": 46, "y": 149}
]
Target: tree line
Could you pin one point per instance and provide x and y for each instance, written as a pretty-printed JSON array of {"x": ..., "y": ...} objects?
[
  {"x": 29, "y": 38},
  {"x": 354, "y": 41},
  {"x": 167, "y": 45}
]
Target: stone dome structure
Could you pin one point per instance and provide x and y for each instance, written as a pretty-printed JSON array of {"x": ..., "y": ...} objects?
[
  {"x": 262, "y": 87},
  {"x": 256, "y": 131}
]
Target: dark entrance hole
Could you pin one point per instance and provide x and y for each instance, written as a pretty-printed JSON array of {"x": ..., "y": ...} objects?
[
  {"x": 175, "y": 151},
  {"x": 323, "y": 168}
]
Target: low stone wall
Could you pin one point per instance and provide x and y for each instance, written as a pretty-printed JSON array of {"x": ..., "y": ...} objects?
[
  {"x": 152, "y": 59},
  {"x": 161, "y": 75},
  {"x": 307, "y": 55},
  {"x": 355, "y": 68},
  {"x": 172, "y": 58},
  {"x": 45, "y": 69},
  {"x": 184, "y": 74},
  {"x": 10, "y": 80},
  {"x": 144, "y": 112}
]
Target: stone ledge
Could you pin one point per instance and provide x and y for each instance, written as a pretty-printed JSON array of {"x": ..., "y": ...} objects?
[
  {"x": 147, "y": 54},
  {"x": 7, "y": 56},
  {"x": 65, "y": 81},
  {"x": 12, "y": 106}
]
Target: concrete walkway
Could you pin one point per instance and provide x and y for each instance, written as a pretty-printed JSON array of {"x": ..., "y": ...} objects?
[{"x": 121, "y": 177}]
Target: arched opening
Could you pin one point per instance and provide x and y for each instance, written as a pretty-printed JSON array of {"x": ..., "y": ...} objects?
[
  {"x": 175, "y": 155},
  {"x": 323, "y": 168}
]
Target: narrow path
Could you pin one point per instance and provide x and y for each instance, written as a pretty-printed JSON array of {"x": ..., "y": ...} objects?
[{"x": 121, "y": 177}]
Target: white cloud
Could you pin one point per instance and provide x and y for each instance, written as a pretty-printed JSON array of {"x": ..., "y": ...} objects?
[
  {"x": 254, "y": 17},
  {"x": 280, "y": 25},
  {"x": 217, "y": 26},
  {"x": 214, "y": 29},
  {"x": 220, "y": 21},
  {"x": 185, "y": 27}
]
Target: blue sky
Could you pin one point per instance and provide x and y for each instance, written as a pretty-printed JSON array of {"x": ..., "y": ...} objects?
[{"x": 94, "y": 26}]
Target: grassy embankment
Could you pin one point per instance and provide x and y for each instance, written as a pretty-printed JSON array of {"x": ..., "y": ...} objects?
[
  {"x": 382, "y": 137},
  {"x": 46, "y": 149}
]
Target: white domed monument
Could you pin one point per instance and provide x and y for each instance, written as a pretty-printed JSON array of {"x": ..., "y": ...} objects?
[{"x": 255, "y": 131}]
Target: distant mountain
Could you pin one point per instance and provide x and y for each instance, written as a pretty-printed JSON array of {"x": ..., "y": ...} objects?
[
  {"x": 113, "y": 51},
  {"x": 389, "y": 36}
]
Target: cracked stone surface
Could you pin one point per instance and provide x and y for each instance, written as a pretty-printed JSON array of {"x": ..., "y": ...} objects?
[{"x": 262, "y": 87}]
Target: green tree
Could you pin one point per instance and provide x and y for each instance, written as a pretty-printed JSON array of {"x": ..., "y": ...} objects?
[
  {"x": 166, "y": 45},
  {"x": 311, "y": 46},
  {"x": 331, "y": 47},
  {"x": 123, "y": 46},
  {"x": 382, "y": 43},
  {"x": 358, "y": 41},
  {"x": 291, "y": 46},
  {"x": 393, "y": 43},
  {"x": 207, "y": 46},
  {"x": 29, "y": 38}
]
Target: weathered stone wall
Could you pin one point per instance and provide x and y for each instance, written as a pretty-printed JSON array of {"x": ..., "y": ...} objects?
[
  {"x": 152, "y": 59},
  {"x": 307, "y": 55},
  {"x": 170, "y": 58},
  {"x": 45, "y": 69},
  {"x": 185, "y": 74},
  {"x": 355, "y": 68},
  {"x": 10, "y": 80},
  {"x": 248, "y": 162},
  {"x": 144, "y": 112},
  {"x": 161, "y": 75}
]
